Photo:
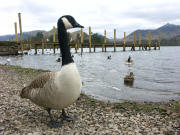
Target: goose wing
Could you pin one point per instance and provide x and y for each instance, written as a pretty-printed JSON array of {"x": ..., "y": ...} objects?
[
  {"x": 38, "y": 83},
  {"x": 40, "y": 80}
]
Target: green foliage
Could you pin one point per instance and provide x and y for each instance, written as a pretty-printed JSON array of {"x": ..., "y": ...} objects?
[
  {"x": 51, "y": 38},
  {"x": 79, "y": 37},
  {"x": 97, "y": 38},
  {"x": 56, "y": 37},
  {"x": 39, "y": 36}
]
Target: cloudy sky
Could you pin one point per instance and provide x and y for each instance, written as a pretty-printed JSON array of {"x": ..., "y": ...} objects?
[{"x": 124, "y": 15}]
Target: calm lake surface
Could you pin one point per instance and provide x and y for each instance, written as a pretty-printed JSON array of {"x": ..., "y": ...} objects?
[{"x": 157, "y": 72}]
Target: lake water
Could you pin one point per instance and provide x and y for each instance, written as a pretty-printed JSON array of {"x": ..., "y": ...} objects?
[{"x": 157, "y": 72}]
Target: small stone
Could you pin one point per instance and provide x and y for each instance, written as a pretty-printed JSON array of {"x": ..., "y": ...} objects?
[
  {"x": 2, "y": 128},
  {"x": 36, "y": 133}
]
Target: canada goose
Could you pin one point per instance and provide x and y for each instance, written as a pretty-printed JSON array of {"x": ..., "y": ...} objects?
[{"x": 57, "y": 89}]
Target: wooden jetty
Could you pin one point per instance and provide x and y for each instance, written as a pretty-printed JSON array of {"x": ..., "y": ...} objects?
[
  {"x": 8, "y": 48},
  {"x": 27, "y": 45},
  {"x": 81, "y": 45}
]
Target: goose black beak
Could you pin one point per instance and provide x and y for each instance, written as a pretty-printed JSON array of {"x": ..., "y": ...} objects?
[{"x": 77, "y": 25}]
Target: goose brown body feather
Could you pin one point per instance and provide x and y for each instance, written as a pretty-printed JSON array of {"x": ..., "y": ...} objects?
[
  {"x": 54, "y": 89},
  {"x": 40, "y": 80}
]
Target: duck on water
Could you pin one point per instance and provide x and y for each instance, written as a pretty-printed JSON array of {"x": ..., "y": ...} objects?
[
  {"x": 57, "y": 89},
  {"x": 129, "y": 61}
]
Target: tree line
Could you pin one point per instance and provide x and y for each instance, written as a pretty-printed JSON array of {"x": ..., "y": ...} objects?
[
  {"x": 98, "y": 38},
  {"x": 95, "y": 38}
]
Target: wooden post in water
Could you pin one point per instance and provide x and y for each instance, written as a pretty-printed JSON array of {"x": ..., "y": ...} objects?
[
  {"x": 81, "y": 41},
  {"x": 54, "y": 48},
  {"x": 149, "y": 39},
  {"x": 155, "y": 46},
  {"x": 42, "y": 46},
  {"x": 54, "y": 39},
  {"x": 16, "y": 36},
  {"x": 35, "y": 47},
  {"x": 139, "y": 41},
  {"x": 76, "y": 47},
  {"x": 54, "y": 34},
  {"x": 30, "y": 47},
  {"x": 21, "y": 38},
  {"x": 134, "y": 41},
  {"x": 89, "y": 39},
  {"x": 124, "y": 42},
  {"x": 94, "y": 48},
  {"x": 114, "y": 40},
  {"x": 159, "y": 39},
  {"x": 104, "y": 41}
]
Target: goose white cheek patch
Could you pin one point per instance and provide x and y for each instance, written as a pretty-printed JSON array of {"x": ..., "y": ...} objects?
[{"x": 67, "y": 24}]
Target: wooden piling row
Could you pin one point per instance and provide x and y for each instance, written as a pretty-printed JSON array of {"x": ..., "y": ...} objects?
[{"x": 104, "y": 45}]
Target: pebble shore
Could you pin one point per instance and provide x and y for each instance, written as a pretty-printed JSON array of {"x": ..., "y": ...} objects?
[{"x": 21, "y": 116}]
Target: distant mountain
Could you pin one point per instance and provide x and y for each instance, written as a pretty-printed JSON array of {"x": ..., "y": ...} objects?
[
  {"x": 25, "y": 35},
  {"x": 170, "y": 34},
  {"x": 174, "y": 41},
  {"x": 168, "y": 31},
  {"x": 45, "y": 33}
]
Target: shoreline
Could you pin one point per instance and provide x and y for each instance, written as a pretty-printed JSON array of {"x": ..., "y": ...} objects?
[{"x": 94, "y": 116}]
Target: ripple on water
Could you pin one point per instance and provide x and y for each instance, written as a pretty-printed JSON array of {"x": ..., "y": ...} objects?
[{"x": 157, "y": 73}]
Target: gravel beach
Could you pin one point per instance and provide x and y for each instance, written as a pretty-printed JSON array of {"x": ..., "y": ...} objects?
[{"x": 21, "y": 116}]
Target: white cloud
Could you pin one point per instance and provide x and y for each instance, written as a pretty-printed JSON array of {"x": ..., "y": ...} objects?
[{"x": 123, "y": 15}]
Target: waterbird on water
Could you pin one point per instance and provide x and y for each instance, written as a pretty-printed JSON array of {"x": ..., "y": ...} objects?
[
  {"x": 7, "y": 61},
  {"x": 57, "y": 89},
  {"x": 58, "y": 60},
  {"x": 129, "y": 61},
  {"x": 109, "y": 57}
]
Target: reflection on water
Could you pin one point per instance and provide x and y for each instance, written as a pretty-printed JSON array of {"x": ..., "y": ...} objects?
[{"x": 156, "y": 73}]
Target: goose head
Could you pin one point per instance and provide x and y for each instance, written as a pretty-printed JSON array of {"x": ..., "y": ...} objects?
[
  {"x": 64, "y": 23},
  {"x": 69, "y": 22}
]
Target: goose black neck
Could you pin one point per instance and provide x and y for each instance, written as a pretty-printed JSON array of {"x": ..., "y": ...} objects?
[{"x": 63, "y": 42}]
